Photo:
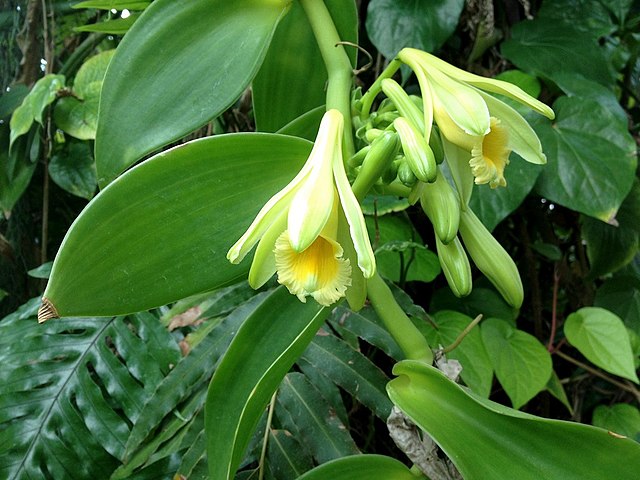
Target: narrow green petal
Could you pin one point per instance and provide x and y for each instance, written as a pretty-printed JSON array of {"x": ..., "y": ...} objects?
[
  {"x": 357, "y": 227},
  {"x": 522, "y": 138},
  {"x": 458, "y": 161},
  {"x": 311, "y": 207},
  {"x": 488, "y": 84},
  {"x": 264, "y": 261}
]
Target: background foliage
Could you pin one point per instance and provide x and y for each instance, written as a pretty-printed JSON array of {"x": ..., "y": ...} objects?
[{"x": 125, "y": 395}]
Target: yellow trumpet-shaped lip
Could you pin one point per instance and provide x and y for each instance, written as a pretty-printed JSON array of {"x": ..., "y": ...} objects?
[
  {"x": 490, "y": 156},
  {"x": 319, "y": 271}
]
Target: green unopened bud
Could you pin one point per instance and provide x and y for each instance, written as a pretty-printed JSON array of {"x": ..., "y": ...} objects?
[
  {"x": 491, "y": 259},
  {"x": 371, "y": 134},
  {"x": 436, "y": 146},
  {"x": 440, "y": 203},
  {"x": 417, "y": 151},
  {"x": 377, "y": 161},
  {"x": 391, "y": 173},
  {"x": 359, "y": 157},
  {"x": 406, "y": 175},
  {"x": 403, "y": 103},
  {"x": 455, "y": 265}
]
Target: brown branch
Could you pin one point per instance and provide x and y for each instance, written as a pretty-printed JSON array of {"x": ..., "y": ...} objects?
[{"x": 30, "y": 44}]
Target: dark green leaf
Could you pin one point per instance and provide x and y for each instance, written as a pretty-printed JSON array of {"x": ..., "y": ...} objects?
[
  {"x": 119, "y": 26},
  {"x": 383, "y": 204},
  {"x": 555, "y": 388},
  {"x": 589, "y": 16},
  {"x": 165, "y": 82},
  {"x": 611, "y": 247},
  {"x": 74, "y": 170},
  {"x": 113, "y": 4},
  {"x": 522, "y": 364},
  {"x": 421, "y": 24},
  {"x": 591, "y": 158},
  {"x": 480, "y": 301},
  {"x": 287, "y": 458},
  {"x": 261, "y": 353},
  {"x": 621, "y": 295},
  {"x": 162, "y": 231},
  {"x": 507, "y": 444},
  {"x": 306, "y": 125},
  {"x": 603, "y": 339},
  {"x": 286, "y": 87},
  {"x": 312, "y": 420},
  {"x": 549, "y": 47},
  {"x": 43, "y": 271}
]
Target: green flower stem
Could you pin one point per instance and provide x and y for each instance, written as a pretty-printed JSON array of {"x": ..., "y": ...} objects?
[
  {"x": 336, "y": 60},
  {"x": 368, "y": 98},
  {"x": 411, "y": 341}
]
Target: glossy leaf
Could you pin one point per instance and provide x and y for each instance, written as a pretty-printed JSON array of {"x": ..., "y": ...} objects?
[
  {"x": 477, "y": 370},
  {"x": 113, "y": 4},
  {"x": 421, "y": 24},
  {"x": 161, "y": 232},
  {"x": 603, "y": 339},
  {"x": 306, "y": 125},
  {"x": 621, "y": 295},
  {"x": 622, "y": 418},
  {"x": 286, "y": 87},
  {"x": 583, "y": 15},
  {"x": 262, "y": 352},
  {"x": 547, "y": 47},
  {"x": 361, "y": 467},
  {"x": 592, "y": 159},
  {"x": 150, "y": 99},
  {"x": 507, "y": 444},
  {"x": 74, "y": 170},
  {"x": 74, "y": 387},
  {"x": 522, "y": 364},
  {"x": 311, "y": 419}
]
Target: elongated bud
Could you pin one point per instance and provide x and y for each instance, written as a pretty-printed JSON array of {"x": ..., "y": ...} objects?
[
  {"x": 417, "y": 151},
  {"x": 377, "y": 161},
  {"x": 436, "y": 146},
  {"x": 440, "y": 203},
  {"x": 455, "y": 265},
  {"x": 405, "y": 174},
  {"x": 357, "y": 159},
  {"x": 391, "y": 173},
  {"x": 403, "y": 103},
  {"x": 491, "y": 259},
  {"x": 371, "y": 134}
]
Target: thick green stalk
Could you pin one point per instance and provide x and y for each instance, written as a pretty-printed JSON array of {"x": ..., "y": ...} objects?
[
  {"x": 368, "y": 98},
  {"x": 336, "y": 60},
  {"x": 404, "y": 332}
]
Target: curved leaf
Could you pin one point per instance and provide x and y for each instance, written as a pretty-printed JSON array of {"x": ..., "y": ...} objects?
[
  {"x": 263, "y": 350},
  {"x": 286, "y": 87},
  {"x": 361, "y": 467},
  {"x": 161, "y": 232},
  {"x": 165, "y": 81},
  {"x": 506, "y": 444}
]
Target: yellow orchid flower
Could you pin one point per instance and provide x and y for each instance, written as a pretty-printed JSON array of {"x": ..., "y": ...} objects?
[
  {"x": 473, "y": 120},
  {"x": 297, "y": 229}
]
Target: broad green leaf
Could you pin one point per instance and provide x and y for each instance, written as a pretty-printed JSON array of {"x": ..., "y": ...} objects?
[
  {"x": 350, "y": 370},
  {"x": 589, "y": 16},
  {"x": 621, "y": 295},
  {"x": 11, "y": 99},
  {"x": 481, "y": 300},
  {"x": 119, "y": 26},
  {"x": 306, "y": 125},
  {"x": 16, "y": 168},
  {"x": 603, "y": 339},
  {"x": 611, "y": 247},
  {"x": 311, "y": 419},
  {"x": 260, "y": 355},
  {"x": 621, "y": 418},
  {"x": 526, "y": 82},
  {"x": 507, "y": 444},
  {"x": 522, "y": 364},
  {"x": 165, "y": 82},
  {"x": 591, "y": 158},
  {"x": 383, "y": 204},
  {"x": 361, "y": 467},
  {"x": 286, "y": 87},
  {"x": 74, "y": 170},
  {"x": 548, "y": 47},
  {"x": 286, "y": 457},
  {"x": 421, "y": 24},
  {"x": 330, "y": 390},
  {"x": 113, "y": 4},
  {"x": 74, "y": 387},
  {"x": 492, "y": 205},
  {"x": 161, "y": 232},
  {"x": 477, "y": 371},
  {"x": 43, "y": 93}
]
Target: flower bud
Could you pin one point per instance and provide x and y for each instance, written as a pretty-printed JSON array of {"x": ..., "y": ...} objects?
[
  {"x": 440, "y": 203},
  {"x": 455, "y": 265},
  {"x": 491, "y": 259},
  {"x": 405, "y": 174},
  {"x": 417, "y": 151},
  {"x": 406, "y": 107}
]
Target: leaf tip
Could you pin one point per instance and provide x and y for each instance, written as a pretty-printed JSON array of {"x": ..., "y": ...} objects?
[{"x": 47, "y": 311}]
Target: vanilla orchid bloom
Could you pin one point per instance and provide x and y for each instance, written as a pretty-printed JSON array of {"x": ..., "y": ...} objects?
[
  {"x": 473, "y": 120},
  {"x": 297, "y": 229}
]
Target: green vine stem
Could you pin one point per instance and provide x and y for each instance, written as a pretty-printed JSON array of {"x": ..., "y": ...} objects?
[
  {"x": 368, "y": 98},
  {"x": 336, "y": 60},
  {"x": 411, "y": 341}
]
